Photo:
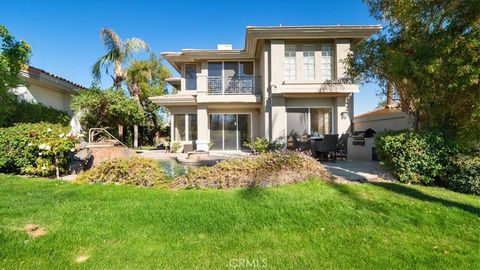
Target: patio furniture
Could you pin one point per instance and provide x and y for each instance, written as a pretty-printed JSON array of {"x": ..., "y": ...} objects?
[
  {"x": 314, "y": 142},
  {"x": 325, "y": 150},
  {"x": 300, "y": 145},
  {"x": 342, "y": 147}
]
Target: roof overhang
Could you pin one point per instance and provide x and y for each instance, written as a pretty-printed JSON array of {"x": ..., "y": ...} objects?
[
  {"x": 39, "y": 76},
  {"x": 175, "y": 99},
  {"x": 255, "y": 33},
  {"x": 175, "y": 82}
]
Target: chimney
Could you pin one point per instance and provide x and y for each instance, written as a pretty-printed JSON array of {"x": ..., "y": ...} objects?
[{"x": 224, "y": 47}]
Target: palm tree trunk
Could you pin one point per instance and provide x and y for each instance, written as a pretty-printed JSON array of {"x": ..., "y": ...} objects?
[
  {"x": 119, "y": 76},
  {"x": 389, "y": 103}
]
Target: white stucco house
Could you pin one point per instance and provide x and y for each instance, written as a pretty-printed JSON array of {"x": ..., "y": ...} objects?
[
  {"x": 287, "y": 80},
  {"x": 46, "y": 88}
]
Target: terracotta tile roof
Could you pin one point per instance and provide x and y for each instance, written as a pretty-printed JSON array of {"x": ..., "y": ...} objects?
[{"x": 34, "y": 70}]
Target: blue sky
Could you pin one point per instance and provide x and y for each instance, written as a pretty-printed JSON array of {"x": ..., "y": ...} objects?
[{"x": 66, "y": 41}]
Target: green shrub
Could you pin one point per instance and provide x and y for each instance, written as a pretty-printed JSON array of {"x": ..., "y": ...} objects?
[
  {"x": 35, "y": 148},
  {"x": 268, "y": 169},
  {"x": 262, "y": 145},
  {"x": 25, "y": 112},
  {"x": 463, "y": 174},
  {"x": 135, "y": 171},
  {"x": 36, "y": 113},
  {"x": 413, "y": 157},
  {"x": 175, "y": 147}
]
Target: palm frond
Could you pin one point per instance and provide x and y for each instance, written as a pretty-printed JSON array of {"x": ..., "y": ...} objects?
[
  {"x": 133, "y": 45},
  {"x": 104, "y": 62},
  {"x": 111, "y": 40}
]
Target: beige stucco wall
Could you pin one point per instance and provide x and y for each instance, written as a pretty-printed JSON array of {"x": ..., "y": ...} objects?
[
  {"x": 342, "y": 49},
  {"x": 344, "y": 113},
  {"x": 269, "y": 116},
  {"x": 397, "y": 121},
  {"x": 48, "y": 96}
]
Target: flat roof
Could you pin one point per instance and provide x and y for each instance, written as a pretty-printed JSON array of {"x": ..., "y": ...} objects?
[{"x": 255, "y": 33}]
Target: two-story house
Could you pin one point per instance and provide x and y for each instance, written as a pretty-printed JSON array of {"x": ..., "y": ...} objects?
[{"x": 286, "y": 81}]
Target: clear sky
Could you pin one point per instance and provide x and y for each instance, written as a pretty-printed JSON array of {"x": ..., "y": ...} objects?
[{"x": 66, "y": 41}]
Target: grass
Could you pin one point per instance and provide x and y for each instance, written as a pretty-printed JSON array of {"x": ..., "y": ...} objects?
[{"x": 309, "y": 225}]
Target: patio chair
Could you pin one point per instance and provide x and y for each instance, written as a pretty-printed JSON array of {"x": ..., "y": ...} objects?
[
  {"x": 326, "y": 149},
  {"x": 342, "y": 147},
  {"x": 299, "y": 145}
]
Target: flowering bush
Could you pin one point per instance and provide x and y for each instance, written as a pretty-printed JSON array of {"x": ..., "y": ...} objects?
[{"x": 36, "y": 149}]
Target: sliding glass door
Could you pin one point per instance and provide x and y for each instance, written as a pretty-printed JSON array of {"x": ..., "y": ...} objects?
[
  {"x": 229, "y": 131},
  {"x": 309, "y": 121}
]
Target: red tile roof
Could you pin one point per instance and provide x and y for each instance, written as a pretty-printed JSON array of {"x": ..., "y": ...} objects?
[{"x": 38, "y": 71}]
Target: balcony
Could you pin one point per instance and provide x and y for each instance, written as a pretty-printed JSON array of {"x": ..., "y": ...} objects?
[{"x": 237, "y": 85}]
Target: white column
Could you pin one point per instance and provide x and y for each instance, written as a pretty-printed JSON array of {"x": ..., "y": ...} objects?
[
  {"x": 279, "y": 119},
  {"x": 202, "y": 128}
]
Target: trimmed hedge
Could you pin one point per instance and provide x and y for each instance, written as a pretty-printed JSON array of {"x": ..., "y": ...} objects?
[
  {"x": 268, "y": 169},
  {"x": 463, "y": 174},
  {"x": 36, "y": 113},
  {"x": 25, "y": 112},
  {"x": 135, "y": 171},
  {"x": 35, "y": 148},
  {"x": 413, "y": 157}
]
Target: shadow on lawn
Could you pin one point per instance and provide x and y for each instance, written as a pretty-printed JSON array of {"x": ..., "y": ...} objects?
[
  {"x": 416, "y": 194},
  {"x": 253, "y": 193}
]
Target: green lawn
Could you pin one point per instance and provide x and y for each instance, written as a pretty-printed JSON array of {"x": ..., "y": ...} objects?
[{"x": 309, "y": 225}]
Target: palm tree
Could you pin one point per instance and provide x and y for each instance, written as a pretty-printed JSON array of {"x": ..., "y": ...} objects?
[
  {"x": 118, "y": 53},
  {"x": 146, "y": 78}
]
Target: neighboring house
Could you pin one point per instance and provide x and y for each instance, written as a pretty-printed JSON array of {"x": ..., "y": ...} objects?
[
  {"x": 383, "y": 119},
  {"x": 287, "y": 80},
  {"x": 46, "y": 88}
]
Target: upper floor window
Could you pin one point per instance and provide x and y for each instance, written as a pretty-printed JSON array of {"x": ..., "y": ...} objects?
[
  {"x": 290, "y": 64},
  {"x": 326, "y": 64},
  {"x": 191, "y": 77},
  {"x": 309, "y": 62}
]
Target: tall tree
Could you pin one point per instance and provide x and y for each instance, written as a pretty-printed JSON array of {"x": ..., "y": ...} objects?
[
  {"x": 146, "y": 78},
  {"x": 14, "y": 55},
  {"x": 118, "y": 53},
  {"x": 430, "y": 52}
]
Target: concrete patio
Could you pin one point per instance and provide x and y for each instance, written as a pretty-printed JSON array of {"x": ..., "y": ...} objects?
[{"x": 357, "y": 170}]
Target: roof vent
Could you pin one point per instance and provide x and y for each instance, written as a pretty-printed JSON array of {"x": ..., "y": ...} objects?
[{"x": 224, "y": 47}]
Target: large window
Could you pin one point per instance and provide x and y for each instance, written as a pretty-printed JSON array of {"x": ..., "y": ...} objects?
[
  {"x": 297, "y": 122},
  {"x": 320, "y": 120},
  {"x": 179, "y": 127},
  {"x": 191, "y": 77},
  {"x": 229, "y": 131},
  {"x": 184, "y": 127},
  {"x": 326, "y": 64},
  {"x": 309, "y": 62},
  {"x": 192, "y": 127},
  {"x": 290, "y": 64},
  {"x": 309, "y": 121},
  {"x": 231, "y": 77}
]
